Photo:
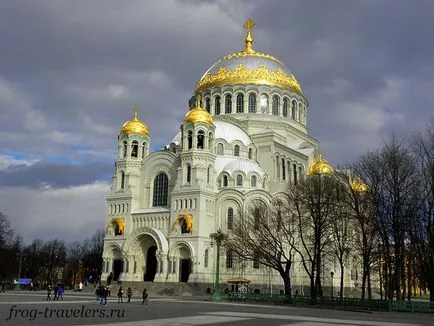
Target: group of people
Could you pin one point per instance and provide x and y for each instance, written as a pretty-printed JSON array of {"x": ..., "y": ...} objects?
[
  {"x": 57, "y": 292},
  {"x": 102, "y": 292}
]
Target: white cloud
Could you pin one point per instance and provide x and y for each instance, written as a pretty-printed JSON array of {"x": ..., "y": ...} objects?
[
  {"x": 66, "y": 213},
  {"x": 7, "y": 161}
]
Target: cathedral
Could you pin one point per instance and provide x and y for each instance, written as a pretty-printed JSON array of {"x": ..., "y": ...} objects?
[{"x": 244, "y": 137}]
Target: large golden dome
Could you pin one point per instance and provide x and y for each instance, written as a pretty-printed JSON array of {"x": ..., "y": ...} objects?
[
  {"x": 198, "y": 114},
  {"x": 135, "y": 126},
  {"x": 249, "y": 67},
  {"x": 320, "y": 166}
]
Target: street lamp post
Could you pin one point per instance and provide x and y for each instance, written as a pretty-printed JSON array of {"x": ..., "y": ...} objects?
[
  {"x": 218, "y": 237},
  {"x": 331, "y": 275},
  {"x": 20, "y": 257}
]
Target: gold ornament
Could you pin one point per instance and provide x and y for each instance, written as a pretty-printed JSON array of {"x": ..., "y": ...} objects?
[
  {"x": 198, "y": 114},
  {"x": 242, "y": 75},
  {"x": 359, "y": 186},
  {"x": 320, "y": 166},
  {"x": 135, "y": 126},
  {"x": 188, "y": 220}
]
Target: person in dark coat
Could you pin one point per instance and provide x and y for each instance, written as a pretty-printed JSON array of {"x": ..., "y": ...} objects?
[
  {"x": 129, "y": 294},
  {"x": 56, "y": 292},
  {"x": 48, "y": 292},
  {"x": 120, "y": 294},
  {"x": 145, "y": 296}
]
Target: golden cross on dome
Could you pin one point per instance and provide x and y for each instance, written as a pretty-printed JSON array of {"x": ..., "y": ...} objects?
[
  {"x": 136, "y": 111},
  {"x": 249, "y": 24},
  {"x": 198, "y": 100}
]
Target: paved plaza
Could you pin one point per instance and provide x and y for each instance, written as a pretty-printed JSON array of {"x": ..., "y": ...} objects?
[{"x": 24, "y": 308}]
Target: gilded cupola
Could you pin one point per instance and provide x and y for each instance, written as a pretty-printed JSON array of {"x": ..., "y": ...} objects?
[
  {"x": 135, "y": 126},
  {"x": 198, "y": 114},
  {"x": 249, "y": 67},
  {"x": 359, "y": 186},
  {"x": 320, "y": 166}
]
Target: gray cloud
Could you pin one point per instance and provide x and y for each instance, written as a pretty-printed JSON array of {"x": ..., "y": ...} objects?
[{"x": 44, "y": 174}]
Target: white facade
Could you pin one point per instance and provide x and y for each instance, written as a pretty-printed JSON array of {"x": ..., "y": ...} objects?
[{"x": 258, "y": 142}]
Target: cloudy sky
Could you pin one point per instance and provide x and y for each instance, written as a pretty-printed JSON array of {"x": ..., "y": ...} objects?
[{"x": 71, "y": 72}]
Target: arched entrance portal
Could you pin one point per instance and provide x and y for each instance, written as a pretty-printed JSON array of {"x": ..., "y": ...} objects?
[
  {"x": 117, "y": 266},
  {"x": 184, "y": 264},
  {"x": 151, "y": 265}
]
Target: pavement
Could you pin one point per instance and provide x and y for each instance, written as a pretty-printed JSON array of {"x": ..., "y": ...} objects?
[{"x": 31, "y": 308}]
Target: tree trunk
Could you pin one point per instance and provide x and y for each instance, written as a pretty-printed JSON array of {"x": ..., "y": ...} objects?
[
  {"x": 341, "y": 294},
  {"x": 287, "y": 285},
  {"x": 368, "y": 275}
]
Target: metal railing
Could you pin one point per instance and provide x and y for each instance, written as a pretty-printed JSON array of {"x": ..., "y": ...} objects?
[{"x": 337, "y": 303}]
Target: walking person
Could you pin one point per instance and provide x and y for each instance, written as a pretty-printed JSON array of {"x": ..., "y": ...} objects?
[
  {"x": 104, "y": 293},
  {"x": 56, "y": 292},
  {"x": 49, "y": 292},
  {"x": 60, "y": 293},
  {"x": 145, "y": 296},
  {"x": 120, "y": 294},
  {"x": 129, "y": 294}
]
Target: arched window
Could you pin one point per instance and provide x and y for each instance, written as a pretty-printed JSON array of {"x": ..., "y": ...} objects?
[
  {"x": 124, "y": 149},
  {"x": 228, "y": 104},
  {"x": 229, "y": 259},
  {"x": 188, "y": 173},
  {"x": 253, "y": 181},
  {"x": 206, "y": 258},
  {"x": 208, "y": 172},
  {"x": 190, "y": 139},
  {"x": 184, "y": 225},
  {"x": 220, "y": 149},
  {"x": 264, "y": 103},
  {"x": 161, "y": 187},
  {"x": 256, "y": 219},
  {"x": 294, "y": 171},
  {"x": 240, "y": 103},
  {"x": 210, "y": 139},
  {"x": 144, "y": 150},
  {"x": 299, "y": 117},
  {"x": 217, "y": 105},
  {"x": 285, "y": 107},
  {"x": 275, "y": 107},
  {"x": 208, "y": 105},
  {"x": 250, "y": 153},
  {"x": 134, "y": 148},
  {"x": 225, "y": 181},
  {"x": 200, "y": 139},
  {"x": 236, "y": 150},
  {"x": 256, "y": 260},
  {"x": 252, "y": 103},
  {"x": 293, "y": 108},
  {"x": 239, "y": 180},
  {"x": 122, "y": 179},
  {"x": 230, "y": 224}
]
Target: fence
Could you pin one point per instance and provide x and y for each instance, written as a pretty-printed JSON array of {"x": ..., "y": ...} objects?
[{"x": 337, "y": 303}]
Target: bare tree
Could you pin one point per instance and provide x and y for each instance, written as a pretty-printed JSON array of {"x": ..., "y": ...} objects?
[
  {"x": 312, "y": 204},
  {"x": 265, "y": 235},
  {"x": 341, "y": 226},
  {"x": 422, "y": 231},
  {"x": 392, "y": 178},
  {"x": 54, "y": 256},
  {"x": 75, "y": 252},
  {"x": 6, "y": 233}
]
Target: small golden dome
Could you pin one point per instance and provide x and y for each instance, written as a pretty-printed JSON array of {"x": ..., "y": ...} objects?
[
  {"x": 198, "y": 114},
  {"x": 135, "y": 126},
  {"x": 359, "y": 186},
  {"x": 320, "y": 166}
]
